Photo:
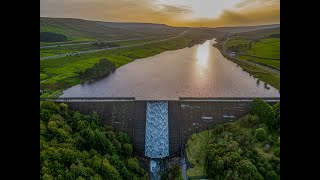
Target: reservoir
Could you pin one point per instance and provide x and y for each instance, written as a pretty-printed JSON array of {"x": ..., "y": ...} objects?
[{"x": 199, "y": 71}]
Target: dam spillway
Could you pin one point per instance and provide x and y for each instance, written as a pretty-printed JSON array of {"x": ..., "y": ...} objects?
[{"x": 157, "y": 134}]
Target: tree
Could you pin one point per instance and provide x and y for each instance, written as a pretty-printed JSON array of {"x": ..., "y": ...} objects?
[
  {"x": 261, "y": 134},
  {"x": 248, "y": 171},
  {"x": 109, "y": 172},
  {"x": 264, "y": 111},
  {"x": 276, "y": 109},
  {"x": 127, "y": 149},
  {"x": 49, "y": 105},
  {"x": 63, "y": 107}
]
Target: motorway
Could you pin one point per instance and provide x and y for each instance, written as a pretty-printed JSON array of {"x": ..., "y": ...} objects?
[{"x": 103, "y": 49}]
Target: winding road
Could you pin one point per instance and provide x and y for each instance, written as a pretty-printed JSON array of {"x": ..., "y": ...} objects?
[{"x": 98, "y": 50}]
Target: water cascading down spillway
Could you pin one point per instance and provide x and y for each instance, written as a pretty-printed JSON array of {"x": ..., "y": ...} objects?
[{"x": 157, "y": 135}]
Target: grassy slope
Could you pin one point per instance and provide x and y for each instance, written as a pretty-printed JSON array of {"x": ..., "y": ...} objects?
[
  {"x": 83, "y": 30},
  {"x": 264, "y": 50},
  {"x": 196, "y": 153},
  {"x": 74, "y": 35},
  {"x": 196, "y": 148},
  {"x": 257, "y": 72}
]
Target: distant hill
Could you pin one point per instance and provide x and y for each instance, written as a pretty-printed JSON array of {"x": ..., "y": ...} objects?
[
  {"x": 83, "y": 30},
  {"x": 239, "y": 29},
  {"x": 261, "y": 33}
]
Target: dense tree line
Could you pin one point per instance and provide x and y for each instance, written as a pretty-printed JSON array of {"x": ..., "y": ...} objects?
[
  {"x": 101, "y": 69},
  {"x": 52, "y": 37},
  {"x": 77, "y": 146},
  {"x": 274, "y": 36},
  {"x": 240, "y": 47},
  {"x": 248, "y": 148}
]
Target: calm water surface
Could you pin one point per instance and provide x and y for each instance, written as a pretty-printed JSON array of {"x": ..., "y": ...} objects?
[{"x": 199, "y": 71}]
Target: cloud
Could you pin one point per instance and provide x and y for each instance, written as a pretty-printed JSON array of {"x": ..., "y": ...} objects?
[
  {"x": 252, "y": 3},
  {"x": 248, "y": 12},
  {"x": 176, "y": 10}
]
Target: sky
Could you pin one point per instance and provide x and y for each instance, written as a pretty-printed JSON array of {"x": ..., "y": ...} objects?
[{"x": 193, "y": 13}]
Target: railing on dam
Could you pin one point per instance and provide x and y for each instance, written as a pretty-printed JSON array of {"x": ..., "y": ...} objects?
[
  {"x": 186, "y": 116},
  {"x": 229, "y": 99},
  {"x": 207, "y": 99},
  {"x": 89, "y": 99}
]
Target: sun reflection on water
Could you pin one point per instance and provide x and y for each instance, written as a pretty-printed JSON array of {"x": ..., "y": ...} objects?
[{"x": 203, "y": 54}]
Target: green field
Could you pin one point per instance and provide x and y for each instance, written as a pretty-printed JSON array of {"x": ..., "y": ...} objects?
[
  {"x": 85, "y": 47},
  {"x": 61, "y": 73},
  {"x": 268, "y": 62},
  {"x": 258, "y": 46}
]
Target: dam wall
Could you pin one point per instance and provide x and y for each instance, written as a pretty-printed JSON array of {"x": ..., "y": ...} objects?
[{"x": 185, "y": 116}]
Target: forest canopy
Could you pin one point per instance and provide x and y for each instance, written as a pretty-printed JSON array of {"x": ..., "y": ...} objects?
[
  {"x": 77, "y": 146},
  {"x": 52, "y": 37}
]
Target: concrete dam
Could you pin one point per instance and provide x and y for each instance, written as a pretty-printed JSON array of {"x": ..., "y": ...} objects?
[{"x": 160, "y": 128}]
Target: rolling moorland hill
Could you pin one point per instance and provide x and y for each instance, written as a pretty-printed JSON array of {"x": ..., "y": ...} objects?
[
  {"x": 84, "y": 30},
  {"x": 240, "y": 29}
]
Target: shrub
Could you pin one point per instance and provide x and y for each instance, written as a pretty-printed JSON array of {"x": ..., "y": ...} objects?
[
  {"x": 253, "y": 119},
  {"x": 261, "y": 134},
  {"x": 266, "y": 148},
  {"x": 219, "y": 129},
  {"x": 276, "y": 109},
  {"x": 174, "y": 173},
  {"x": 127, "y": 149},
  {"x": 277, "y": 152}
]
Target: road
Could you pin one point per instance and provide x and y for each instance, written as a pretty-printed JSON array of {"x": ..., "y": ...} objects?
[
  {"x": 54, "y": 77},
  {"x": 92, "y": 42},
  {"x": 103, "y": 49}
]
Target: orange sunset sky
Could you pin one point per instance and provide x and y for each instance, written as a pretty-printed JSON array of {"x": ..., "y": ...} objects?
[{"x": 205, "y": 13}]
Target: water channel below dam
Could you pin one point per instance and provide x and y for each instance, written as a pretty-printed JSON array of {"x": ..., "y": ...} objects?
[{"x": 157, "y": 136}]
